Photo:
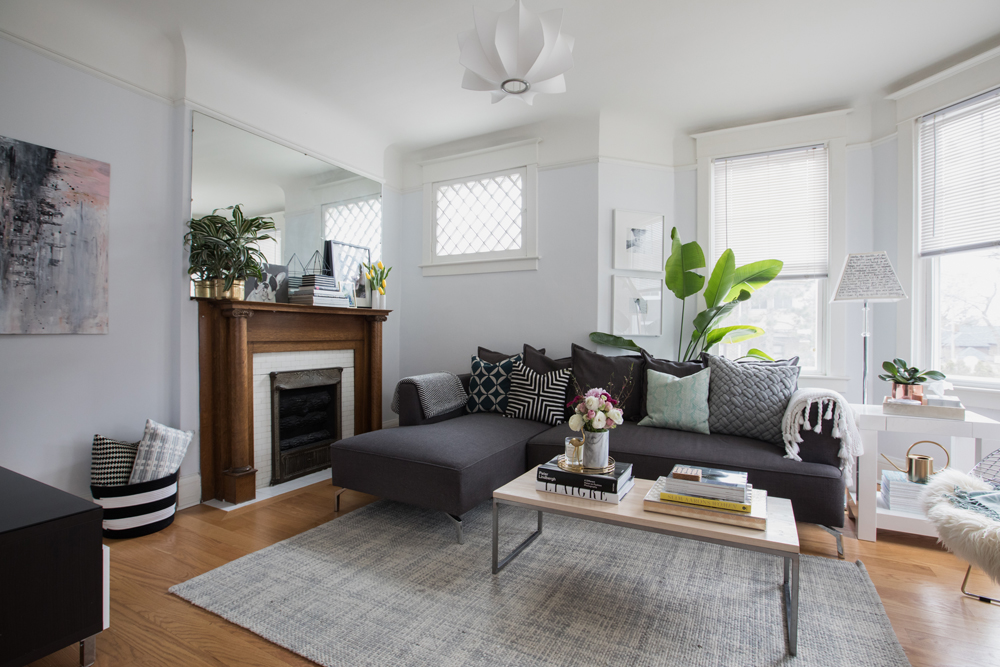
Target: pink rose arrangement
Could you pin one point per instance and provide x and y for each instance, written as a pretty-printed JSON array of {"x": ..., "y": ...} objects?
[{"x": 595, "y": 411}]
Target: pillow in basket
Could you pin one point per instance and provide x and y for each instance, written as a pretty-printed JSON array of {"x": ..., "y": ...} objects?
[
  {"x": 111, "y": 461},
  {"x": 161, "y": 451},
  {"x": 540, "y": 397},
  {"x": 489, "y": 385}
]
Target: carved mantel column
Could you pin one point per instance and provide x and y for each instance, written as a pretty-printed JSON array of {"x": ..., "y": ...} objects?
[
  {"x": 239, "y": 481},
  {"x": 375, "y": 390}
]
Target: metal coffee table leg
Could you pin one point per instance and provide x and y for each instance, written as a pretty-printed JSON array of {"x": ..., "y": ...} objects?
[
  {"x": 501, "y": 564},
  {"x": 791, "y": 591}
]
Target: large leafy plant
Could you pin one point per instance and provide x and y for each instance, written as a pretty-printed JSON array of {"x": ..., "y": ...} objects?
[
  {"x": 899, "y": 372},
  {"x": 227, "y": 247},
  {"x": 726, "y": 288}
]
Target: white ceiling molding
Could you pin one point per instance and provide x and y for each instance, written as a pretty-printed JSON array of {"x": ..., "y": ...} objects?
[
  {"x": 772, "y": 135},
  {"x": 944, "y": 74},
  {"x": 516, "y": 53},
  {"x": 967, "y": 79}
]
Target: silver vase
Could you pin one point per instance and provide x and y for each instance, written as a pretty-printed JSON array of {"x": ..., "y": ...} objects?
[{"x": 595, "y": 449}]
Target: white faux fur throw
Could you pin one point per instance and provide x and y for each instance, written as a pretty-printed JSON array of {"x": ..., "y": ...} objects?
[
  {"x": 969, "y": 535},
  {"x": 831, "y": 406}
]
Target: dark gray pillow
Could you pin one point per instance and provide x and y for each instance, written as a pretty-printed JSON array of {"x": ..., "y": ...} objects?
[
  {"x": 680, "y": 369},
  {"x": 619, "y": 376},
  {"x": 749, "y": 399},
  {"x": 491, "y": 357},
  {"x": 538, "y": 362}
]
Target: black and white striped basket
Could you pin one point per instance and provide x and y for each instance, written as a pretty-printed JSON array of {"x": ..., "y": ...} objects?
[{"x": 137, "y": 509}]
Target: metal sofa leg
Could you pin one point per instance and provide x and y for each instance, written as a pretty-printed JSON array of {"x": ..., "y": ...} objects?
[
  {"x": 840, "y": 539},
  {"x": 457, "y": 520},
  {"x": 337, "y": 499},
  {"x": 981, "y": 598},
  {"x": 88, "y": 651}
]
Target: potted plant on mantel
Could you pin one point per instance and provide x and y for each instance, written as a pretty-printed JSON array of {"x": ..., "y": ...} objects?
[
  {"x": 907, "y": 381},
  {"x": 224, "y": 251}
]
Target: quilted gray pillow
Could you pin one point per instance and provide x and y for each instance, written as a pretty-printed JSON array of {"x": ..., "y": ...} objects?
[
  {"x": 161, "y": 451},
  {"x": 749, "y": 399}
]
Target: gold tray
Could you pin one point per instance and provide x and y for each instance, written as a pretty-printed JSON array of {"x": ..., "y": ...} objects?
[{"x": 586, "y": 471}]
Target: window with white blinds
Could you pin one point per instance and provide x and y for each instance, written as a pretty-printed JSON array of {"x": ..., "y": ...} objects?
[
  {"x": 959, "y": 176},
  {"x": 774, "y": 205}
]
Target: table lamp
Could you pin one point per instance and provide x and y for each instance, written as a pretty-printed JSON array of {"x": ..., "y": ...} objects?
[{"x": 868, "y": 276}]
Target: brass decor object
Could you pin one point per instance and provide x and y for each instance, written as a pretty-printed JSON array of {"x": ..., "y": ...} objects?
[
  {"x": 203, "y": 289},
  {"x": 919, "y": 467},
  {"x": 234, "y": 293},
  {"x": 568, "y": 467}
]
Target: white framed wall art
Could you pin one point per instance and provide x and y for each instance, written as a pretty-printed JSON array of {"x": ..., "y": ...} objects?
[
  {"x": 638, "y": 241},
  {"x": 637, "y": 306}
]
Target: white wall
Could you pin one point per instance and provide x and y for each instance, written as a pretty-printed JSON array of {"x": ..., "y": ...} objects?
[
  {"x": 444, "y": 318},
  {"x": 59, "y": 390}
]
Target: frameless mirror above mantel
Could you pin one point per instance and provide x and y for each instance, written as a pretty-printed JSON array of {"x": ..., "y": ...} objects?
[{"x": 310, "y": 200}]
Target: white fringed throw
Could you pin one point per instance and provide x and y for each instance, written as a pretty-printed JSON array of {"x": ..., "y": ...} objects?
[{"x": 831, "y": 406}]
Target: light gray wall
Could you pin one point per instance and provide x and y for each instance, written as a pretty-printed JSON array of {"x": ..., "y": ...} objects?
[
  {"x": 444, "y": 318},
  {"x": 59, "y": 390}
]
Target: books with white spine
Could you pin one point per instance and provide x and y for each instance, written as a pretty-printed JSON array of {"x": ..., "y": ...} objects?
[{"x": 589, "y": 494}]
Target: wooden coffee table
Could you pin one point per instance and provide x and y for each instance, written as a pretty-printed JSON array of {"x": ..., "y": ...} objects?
[{"x": 780, "y": 539}]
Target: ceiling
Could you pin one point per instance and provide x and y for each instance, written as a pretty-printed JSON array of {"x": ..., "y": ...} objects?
[{"x": 688, "y": 65}]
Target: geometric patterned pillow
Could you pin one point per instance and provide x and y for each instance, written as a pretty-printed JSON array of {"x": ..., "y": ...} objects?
[
  {"x": 161, "y": 451},
  {"x": 111, "y": 461},
  {"x": 489, "y": 385},
  {"x": 540, "y": 397}
]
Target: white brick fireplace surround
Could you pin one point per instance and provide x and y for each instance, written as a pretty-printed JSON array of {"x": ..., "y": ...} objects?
[{"x": 279, "y": 362}]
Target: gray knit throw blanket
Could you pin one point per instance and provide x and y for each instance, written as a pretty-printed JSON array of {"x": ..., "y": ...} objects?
[
  {"x": 831, "y": 406},
  {"x": 438, "y": 392}
]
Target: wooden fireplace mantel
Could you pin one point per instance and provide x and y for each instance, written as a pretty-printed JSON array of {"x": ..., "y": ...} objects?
[{"x": 229, "y": 334}]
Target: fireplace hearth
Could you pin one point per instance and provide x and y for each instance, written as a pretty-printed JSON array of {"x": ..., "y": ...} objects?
[{"x": 306, "y": 416}]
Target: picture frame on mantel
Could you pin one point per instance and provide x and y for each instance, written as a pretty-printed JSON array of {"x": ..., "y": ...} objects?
[
  {"x": 349, "y": 260},
  {"x": 638, "y": 241}
]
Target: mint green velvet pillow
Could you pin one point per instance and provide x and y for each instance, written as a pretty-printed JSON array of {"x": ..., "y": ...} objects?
[{"x": 677, "y": 403}]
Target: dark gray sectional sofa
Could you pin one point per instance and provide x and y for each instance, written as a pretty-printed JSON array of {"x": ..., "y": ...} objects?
[{"x": 454, "y": 461}]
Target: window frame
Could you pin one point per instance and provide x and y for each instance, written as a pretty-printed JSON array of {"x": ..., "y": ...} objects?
[
  {"x": 347, "y": 202},
  {"x": 471, "y": 166},
  {"x": 829, "y": 129}
]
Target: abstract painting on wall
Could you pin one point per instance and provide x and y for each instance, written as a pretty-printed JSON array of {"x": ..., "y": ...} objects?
[{"x": 53, "y": 241}]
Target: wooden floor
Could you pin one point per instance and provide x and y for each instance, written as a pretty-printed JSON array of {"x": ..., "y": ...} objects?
[{"x": 918, "y": 582}]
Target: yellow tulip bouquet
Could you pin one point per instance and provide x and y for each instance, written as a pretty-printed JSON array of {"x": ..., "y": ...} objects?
[{"x": 376, "y": 275}]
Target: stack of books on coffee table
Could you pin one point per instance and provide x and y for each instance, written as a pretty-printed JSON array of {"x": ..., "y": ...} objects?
[
  {"x": 712, "y": 494},
  {"x": 609, "y": 488},
  {"x": 317, "y": 290}
]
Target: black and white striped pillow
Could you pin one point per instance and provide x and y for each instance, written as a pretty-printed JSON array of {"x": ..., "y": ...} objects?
[
  {"x": 137, "y": 509},
  {"x": 536, "y": 396},
  {"x": 111, "y": 461}
]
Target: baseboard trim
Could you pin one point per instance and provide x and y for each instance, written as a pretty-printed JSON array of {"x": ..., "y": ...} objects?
[{"x": 188, "y": 491}]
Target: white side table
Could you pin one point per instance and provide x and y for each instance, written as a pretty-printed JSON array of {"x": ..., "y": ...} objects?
[{"x": 966, "y": 448}]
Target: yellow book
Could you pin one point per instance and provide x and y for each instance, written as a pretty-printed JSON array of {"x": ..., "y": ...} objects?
[{"x": 705, "y": 502}]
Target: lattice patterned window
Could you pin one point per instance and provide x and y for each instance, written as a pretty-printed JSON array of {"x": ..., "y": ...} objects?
[
  {"x": 358, "y": 222},
  {"x": 483, "y": 215}
]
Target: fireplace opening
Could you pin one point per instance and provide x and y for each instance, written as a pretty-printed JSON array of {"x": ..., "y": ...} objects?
[{"x": 305, "y": 419}]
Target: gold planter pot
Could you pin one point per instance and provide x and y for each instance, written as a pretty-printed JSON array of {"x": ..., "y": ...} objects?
[
  {"x": 203, "y": 289},
  {"x": 234, "y": 293}
]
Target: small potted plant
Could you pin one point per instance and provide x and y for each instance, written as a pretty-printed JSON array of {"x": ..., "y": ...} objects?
[
  {"x": 224, "y": 251},
  {"x": 907, "y": 380},
  {"x": 376, "y": 275},
  {"x": 595, "y": 413}
]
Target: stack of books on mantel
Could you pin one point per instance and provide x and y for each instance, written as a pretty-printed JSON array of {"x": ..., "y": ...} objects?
[
  {"x": 711, "y": 494},
  {"x": 609, "y": 488},
  {"x": 319, "y": 291},
  {"x": 900, "y": 494}
]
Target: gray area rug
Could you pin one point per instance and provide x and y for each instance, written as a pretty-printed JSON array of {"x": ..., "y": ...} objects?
[{"x": 388, "y": 585}]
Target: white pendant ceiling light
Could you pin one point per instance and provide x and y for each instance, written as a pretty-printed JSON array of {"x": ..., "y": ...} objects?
[{"x": 516, "y": 52}]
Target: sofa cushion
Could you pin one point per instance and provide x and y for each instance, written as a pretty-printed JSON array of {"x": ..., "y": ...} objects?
[
  {"x": 749, "y": 399},
  {"x": 494, "y": 357},
  {"x": 450, "y": 466},
  {"x": 489, "y": 385},
  {"x": 677, "y": 403},
  {"x": 539, "y": 397},
  {"x": 620, "y": 376},
  {"x": 679, "y": 369},
  {"x": 815, "y": 489}
]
